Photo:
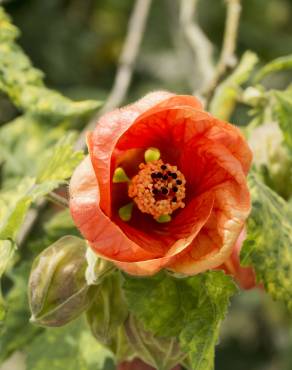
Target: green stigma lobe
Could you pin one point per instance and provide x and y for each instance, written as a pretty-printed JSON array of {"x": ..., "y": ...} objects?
[
  {"x": 120, "y": 176},
  {"x": 125, "y": 212},
  {"x": 163, "y": 219},
  {"x": 152, "y": 154}
]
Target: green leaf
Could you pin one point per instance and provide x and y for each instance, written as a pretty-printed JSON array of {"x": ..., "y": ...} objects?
[
  {"x": 17, "y": 331},
  {"x": 276, "y": 65},
  {"x": 24, "y": 84},
  {"x": 10, "y": 226},
  {"x": 283, "y": 110},
  {"x": 8, "y": 31},
  {"x": 61, "y": 161},
  {"x": 21, "y": 143},
  {"x": 190, "y": 308},
  {"x": 268, "y": 246},
  {"x": 227, "y": 93},
  {"x": 71, "y": 347}
]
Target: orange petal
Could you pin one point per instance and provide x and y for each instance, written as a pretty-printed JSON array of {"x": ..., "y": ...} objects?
[
  {"x": 104, "y": 236},
  {"x": 214, "y": 243},
  {"x": 186, "y": 229},
  {"x": 113, "y": 125}
]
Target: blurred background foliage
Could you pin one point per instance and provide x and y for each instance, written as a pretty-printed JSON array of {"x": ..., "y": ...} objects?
[{"x": 76, "y": 43}]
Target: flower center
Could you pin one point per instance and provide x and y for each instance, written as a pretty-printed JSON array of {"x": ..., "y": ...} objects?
[{"x": 158, "y": 189}]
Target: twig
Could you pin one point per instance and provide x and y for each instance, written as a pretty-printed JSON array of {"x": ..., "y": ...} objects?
[
  {"x": 127, "y": 60},
  {"x": 227, "y": 58},
  {"x": 57, "y": 199},
  {"x": 198, "y": 42},
  {"x": 118, "y": 93}
]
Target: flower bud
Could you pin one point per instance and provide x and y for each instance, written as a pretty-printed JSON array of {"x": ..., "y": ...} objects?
[
  {"x": 271, "y": 157},
  {"x": 58, "y": 291},
  {"x": 108, "y": 311},
  {"x": 161, "y": 353},
  {"x": 254, "y": 96}
]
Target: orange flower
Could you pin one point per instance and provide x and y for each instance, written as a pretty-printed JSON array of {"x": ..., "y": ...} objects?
[{"x": 164, "y": 186}]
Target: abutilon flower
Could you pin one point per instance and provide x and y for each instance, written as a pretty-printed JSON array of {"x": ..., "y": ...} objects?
[{"x": 164, "y": 186}]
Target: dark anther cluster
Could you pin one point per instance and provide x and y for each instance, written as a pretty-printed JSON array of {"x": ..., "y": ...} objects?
[{"x": 164, "y": 176}]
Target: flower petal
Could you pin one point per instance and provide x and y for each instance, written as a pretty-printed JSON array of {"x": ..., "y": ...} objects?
[
  {"x": 113, "y": 125},
  {"x": 104, "y": 236},
  {"x": 187, "y": 229},
  {"x": 214, "y": 244}
]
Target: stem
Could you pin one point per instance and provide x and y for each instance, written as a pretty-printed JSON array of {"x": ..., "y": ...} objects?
[
  {"x": 130, "y": 50},
  {"x": 57, "y": 199},
  {"x": 227, "y": 57},
  {"x": 197, "y": 41}
]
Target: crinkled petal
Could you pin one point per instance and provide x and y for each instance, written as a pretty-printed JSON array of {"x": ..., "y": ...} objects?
[
  {"x": 214, "y": 244},
  {"x": 113, "y": 125}
]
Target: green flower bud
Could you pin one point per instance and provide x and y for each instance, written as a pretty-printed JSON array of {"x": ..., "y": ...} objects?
[
  {"x": 254, "y": 96},
  {"x": 58, "y": 291},
  {"x": 161, "y": 353},
  {"x": 272, "y": 158},
  {"x": 108, "y": 311}
]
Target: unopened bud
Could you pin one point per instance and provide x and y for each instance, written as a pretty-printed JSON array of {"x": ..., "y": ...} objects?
[
  {"x": 108, "y": 310},
  {"x": 161, "y": 353},
  {"x": 58, "y": 291}
]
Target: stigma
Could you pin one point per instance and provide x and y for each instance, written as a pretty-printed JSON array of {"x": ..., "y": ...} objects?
[{"x": 158, "y": 189}]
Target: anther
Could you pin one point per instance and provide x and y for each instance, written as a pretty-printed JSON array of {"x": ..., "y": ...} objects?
[
  {"x": 155, "y": 191},
  {"x": 164, "y": 191},
  {"x": 179, "y": 182}
]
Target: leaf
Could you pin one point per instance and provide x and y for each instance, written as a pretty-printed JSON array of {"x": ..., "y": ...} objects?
[
  {"x": 283, "y": 110},
  {"x": 190, "y": 308},
  {"x": 227, "y": 93},
  {"x": 24, "y": 84},
  {"x": 10, "y": 226},
  {"x": 268, "y": 246},
  {"x": 276, "y": 65},
  {"x": 17, "y": 331},
  {"x": 7, "y": 249},
  {"x": 8, "y": 30},
  {"x": 70, "y": 347},
  {"x": 21, "y": 142},
  {"x": 61, "y": 162}
]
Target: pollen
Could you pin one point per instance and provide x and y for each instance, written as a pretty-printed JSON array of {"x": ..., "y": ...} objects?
[{"x": 158, "y": 189}]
